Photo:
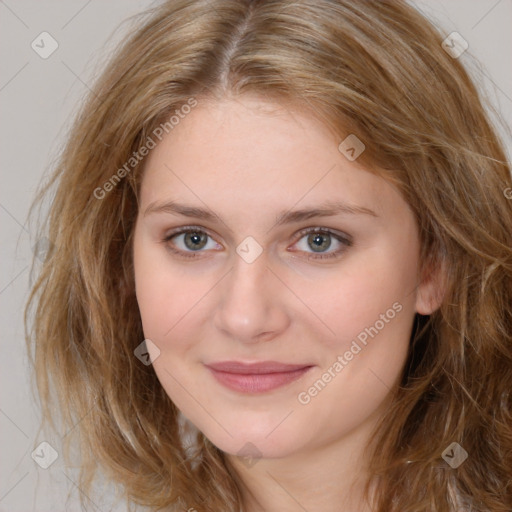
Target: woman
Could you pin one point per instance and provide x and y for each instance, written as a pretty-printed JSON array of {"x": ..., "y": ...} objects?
[{"x": 280, "y": 275}]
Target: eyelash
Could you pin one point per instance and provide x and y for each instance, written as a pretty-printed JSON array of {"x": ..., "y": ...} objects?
[{"x": 346, "y": 241}]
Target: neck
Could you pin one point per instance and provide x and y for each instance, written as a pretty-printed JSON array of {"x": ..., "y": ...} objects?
[{"x": 328, "y": 477}]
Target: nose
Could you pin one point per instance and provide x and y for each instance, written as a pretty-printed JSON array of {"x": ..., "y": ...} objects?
[{"x": 251, "y": 302}]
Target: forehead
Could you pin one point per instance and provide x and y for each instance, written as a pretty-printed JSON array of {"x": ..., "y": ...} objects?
[{"x": 247, "y": 150}]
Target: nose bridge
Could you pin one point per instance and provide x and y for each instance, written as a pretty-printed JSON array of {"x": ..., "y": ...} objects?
[{"x": 249, "y": 305}]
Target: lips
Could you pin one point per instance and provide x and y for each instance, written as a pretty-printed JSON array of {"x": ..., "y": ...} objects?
[{"x": 256, "y": 377}]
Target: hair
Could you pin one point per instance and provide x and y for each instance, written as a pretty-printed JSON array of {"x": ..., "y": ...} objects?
[{"x": 376, "y": 69}]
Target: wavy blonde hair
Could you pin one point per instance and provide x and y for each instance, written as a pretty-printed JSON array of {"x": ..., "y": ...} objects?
[{"x": 373, "y": 68}]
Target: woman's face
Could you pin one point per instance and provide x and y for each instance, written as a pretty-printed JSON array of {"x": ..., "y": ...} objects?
[{"x": 249, "y": 282}]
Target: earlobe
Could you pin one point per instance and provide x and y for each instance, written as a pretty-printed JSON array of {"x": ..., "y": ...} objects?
[{"x": 431, "y": 289}]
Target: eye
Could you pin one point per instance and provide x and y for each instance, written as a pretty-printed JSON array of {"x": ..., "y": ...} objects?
[
  {"x": 193, "y": 239},
  {"x": 321, "y": 239}
]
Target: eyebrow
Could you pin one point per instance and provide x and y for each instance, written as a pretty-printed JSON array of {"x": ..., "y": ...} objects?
[{"x": 326, "y": 209}]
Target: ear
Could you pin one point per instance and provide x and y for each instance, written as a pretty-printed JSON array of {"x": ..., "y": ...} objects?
[{"x": 432, "y": 287}]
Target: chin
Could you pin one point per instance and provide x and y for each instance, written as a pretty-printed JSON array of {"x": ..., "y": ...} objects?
[{"x": 255, "y": 442}]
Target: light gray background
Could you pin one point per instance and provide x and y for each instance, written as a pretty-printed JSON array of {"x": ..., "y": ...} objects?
[{"x": 37, "y": 100}]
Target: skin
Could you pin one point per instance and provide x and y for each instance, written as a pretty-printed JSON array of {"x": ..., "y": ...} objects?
[{"x": 247, "y": 160}]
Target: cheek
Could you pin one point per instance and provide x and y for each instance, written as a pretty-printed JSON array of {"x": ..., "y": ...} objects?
[
  {"x": 366, "y": 287},
  {"x": 371, "y": 311},
  {"x": 164, "y": 295}
]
